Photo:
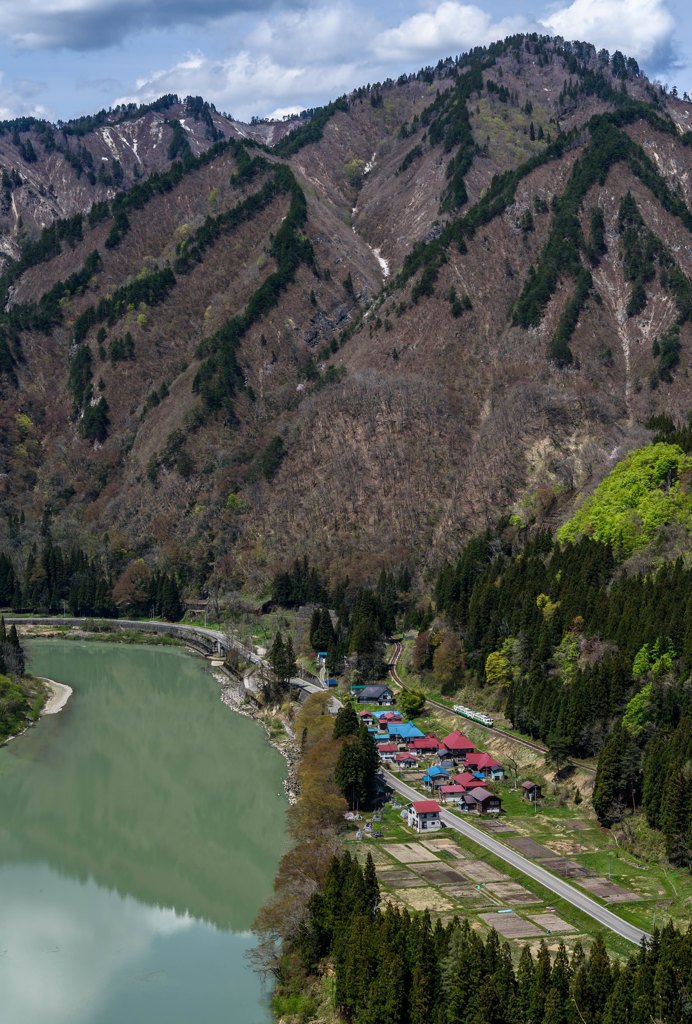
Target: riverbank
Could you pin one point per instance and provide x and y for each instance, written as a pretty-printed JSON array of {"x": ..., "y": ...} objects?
[
  {"x": 233, "y": 697},
  {"x": 58, "y": 696}
]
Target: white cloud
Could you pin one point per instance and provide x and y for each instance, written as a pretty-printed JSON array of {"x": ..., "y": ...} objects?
[
  {"x": 449, "y": 29},
  {"x": 639, "y": 28},
  {"x": 20, "y": 99}
]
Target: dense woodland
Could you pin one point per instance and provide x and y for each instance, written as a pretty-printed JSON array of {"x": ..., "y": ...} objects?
[
  {"x": 389, "y": 967},
  {"x": 55, "y": 580},
  {"x": 589, "y": 653}
]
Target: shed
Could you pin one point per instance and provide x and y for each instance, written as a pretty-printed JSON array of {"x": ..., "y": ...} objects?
[{"x": 530, "y": 790}]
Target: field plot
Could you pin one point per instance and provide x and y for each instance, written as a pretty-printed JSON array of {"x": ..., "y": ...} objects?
[
  {"x": 552, "y": 923},
  {"x": 512, "y": 893},
  {"x": 440, "y": 874},
  {"x": 443, "y": 843},
  {"x": 494, "y": 826},
  {"x": 399, "y": 879},
  {"x": 529, "y": 848},
  {"x": 511, "y": 926},
  {"x": 566, "y": 868},
  {"x": 479, "y": 871},
  {"x": 608, "y": 891},
  {"x": 409, "y": 853},
  {"x": 425, "y": 899}
]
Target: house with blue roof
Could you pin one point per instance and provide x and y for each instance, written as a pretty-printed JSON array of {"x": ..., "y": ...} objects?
[
  {"x": 404, "y": 731},
  {"x": 435, "y": 776}
]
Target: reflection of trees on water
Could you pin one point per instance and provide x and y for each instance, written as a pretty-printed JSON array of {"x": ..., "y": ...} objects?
[{"x": 147, "y": 785}]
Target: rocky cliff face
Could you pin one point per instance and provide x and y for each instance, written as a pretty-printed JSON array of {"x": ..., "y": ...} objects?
[{"x": 445, "y": 298}]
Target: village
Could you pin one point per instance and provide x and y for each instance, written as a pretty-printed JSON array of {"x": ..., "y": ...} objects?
[{"x": 422, "y": 865}]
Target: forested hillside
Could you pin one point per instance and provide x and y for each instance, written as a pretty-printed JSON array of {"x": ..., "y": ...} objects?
[
  {"x": 587, "y": 636},
  {"x": 434, "y": 301}
]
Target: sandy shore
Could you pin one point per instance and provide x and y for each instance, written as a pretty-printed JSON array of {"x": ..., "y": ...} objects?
[{"x": 60, "y": 693}]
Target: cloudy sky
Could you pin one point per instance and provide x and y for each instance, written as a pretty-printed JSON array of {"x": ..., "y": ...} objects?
[{"x": 63, "y": 58}]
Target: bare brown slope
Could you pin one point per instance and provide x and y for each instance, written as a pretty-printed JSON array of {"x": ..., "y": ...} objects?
[{"x": 405, "y": 422}]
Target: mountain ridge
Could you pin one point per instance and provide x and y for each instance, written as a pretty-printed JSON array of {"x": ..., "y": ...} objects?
[{"x": 262, "y": 390}]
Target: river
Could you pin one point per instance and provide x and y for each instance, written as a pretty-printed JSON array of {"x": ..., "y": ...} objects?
[{"x": 140, "y": 831}]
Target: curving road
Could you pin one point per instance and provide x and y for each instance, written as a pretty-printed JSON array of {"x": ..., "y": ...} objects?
[{"x": 556, "y": 885}]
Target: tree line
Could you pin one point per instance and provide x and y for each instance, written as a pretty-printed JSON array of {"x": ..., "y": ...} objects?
[
  {"x": 56, "y": 580},
  {"x": 387, "y": 966}
]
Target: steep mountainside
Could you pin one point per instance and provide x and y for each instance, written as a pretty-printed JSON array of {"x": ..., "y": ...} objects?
[{"x": 441, "y": 298}]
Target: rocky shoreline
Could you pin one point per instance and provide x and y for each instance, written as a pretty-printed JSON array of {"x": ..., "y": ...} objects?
[{"x": 234, "y": 699}]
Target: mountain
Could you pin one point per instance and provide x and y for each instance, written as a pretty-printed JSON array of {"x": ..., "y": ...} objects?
[{"x": 359, "y": 336}]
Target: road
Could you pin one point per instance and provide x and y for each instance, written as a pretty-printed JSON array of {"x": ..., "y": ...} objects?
[
  {"x": 212, "y": 639},
  {"x": 398, "y": 650},
  {"x": 556, "y": 885}
]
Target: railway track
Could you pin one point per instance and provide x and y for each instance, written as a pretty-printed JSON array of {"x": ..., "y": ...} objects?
[{"x": 397, "y": 680}]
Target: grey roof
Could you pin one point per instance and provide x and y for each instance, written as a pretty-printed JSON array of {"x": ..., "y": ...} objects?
[{"x": 373, "y": 692}]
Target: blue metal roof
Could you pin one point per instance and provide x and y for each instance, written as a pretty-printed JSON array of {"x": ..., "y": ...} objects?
[{"x": 407, "y": 730}]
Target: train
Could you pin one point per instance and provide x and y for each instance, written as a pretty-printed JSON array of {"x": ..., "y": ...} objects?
[{"x": 474, "y": 716}]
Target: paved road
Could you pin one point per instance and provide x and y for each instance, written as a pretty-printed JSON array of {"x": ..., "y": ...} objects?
[
  {"x": 535, "y": 871},
  {"x": 214, "y": 639}
]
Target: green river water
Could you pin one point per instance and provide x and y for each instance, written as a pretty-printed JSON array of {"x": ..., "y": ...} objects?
[{"x": 140, "y": 830}]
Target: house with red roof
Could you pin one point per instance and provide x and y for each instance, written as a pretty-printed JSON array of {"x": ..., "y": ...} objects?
[
  {"x": 451, "y": 792},
  {"x": 424, "y": 745},
  {"x": 467, "y": 780},
  {"x": 366, "y": 717},
  {"x": 406, "y": 759},
  {"x": 485, "y": 765},
  {"x": 424, "y": 815},
  {"x": 387, "y": 751},
  {"x": 458, "y": 745}
]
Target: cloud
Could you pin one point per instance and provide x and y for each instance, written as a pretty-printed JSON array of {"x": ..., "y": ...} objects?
[
  {"x": 449, "y": 29},
  {"x": 19, "y": 99},
  {"x": 639, "y": 28},
  {"x": 94, "y": 24}
]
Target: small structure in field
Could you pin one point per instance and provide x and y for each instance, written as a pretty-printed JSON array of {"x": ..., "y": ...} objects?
[{"x": 531, "y": 791}]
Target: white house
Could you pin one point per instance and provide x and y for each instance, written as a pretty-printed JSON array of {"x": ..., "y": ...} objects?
[{"x": 424, "y": 816}]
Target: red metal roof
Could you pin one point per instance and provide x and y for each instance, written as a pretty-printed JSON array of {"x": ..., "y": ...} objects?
[
  {"x": 425, "y": 743},
  {"x": 466, "y": 779},
  {"x": 457, "y": 741},
  {"x": 405, "y": 756},
  {"x": 452, "y": 789},
  {"x": 482, "y": 761},
  {"x": 388, "y": 748},
  {"x": 425, "y": 807}
]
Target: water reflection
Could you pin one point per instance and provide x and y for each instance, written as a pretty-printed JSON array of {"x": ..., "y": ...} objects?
[
  {"x": 147, "y": 784},
  {"x": 140, "y": 831},
  {"x": 74, "y": 953}
]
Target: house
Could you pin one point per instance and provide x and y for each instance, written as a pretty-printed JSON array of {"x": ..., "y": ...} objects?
[
  {"x": 387, "y": 751},
  {"x": 466, "y": 779},
  {"x": 481, "y": 801},
  {"x": 451, "y": 792},
  {"x": 435, "y": 777},
  {"x": 424, "y": 744},
  {"x": 458, "y": 745},
  {"x": 424, "y": 816},
  {"x": 385, "y": 718},
  {"x": 375, "y": 695},
  {"x": 485, "y": 765},
  {"x": 366, "y": 717},
  {"x": 404, "y": 731},
  {"x": 406, "y": 759},
  {"x": 530, "y": 791}
]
